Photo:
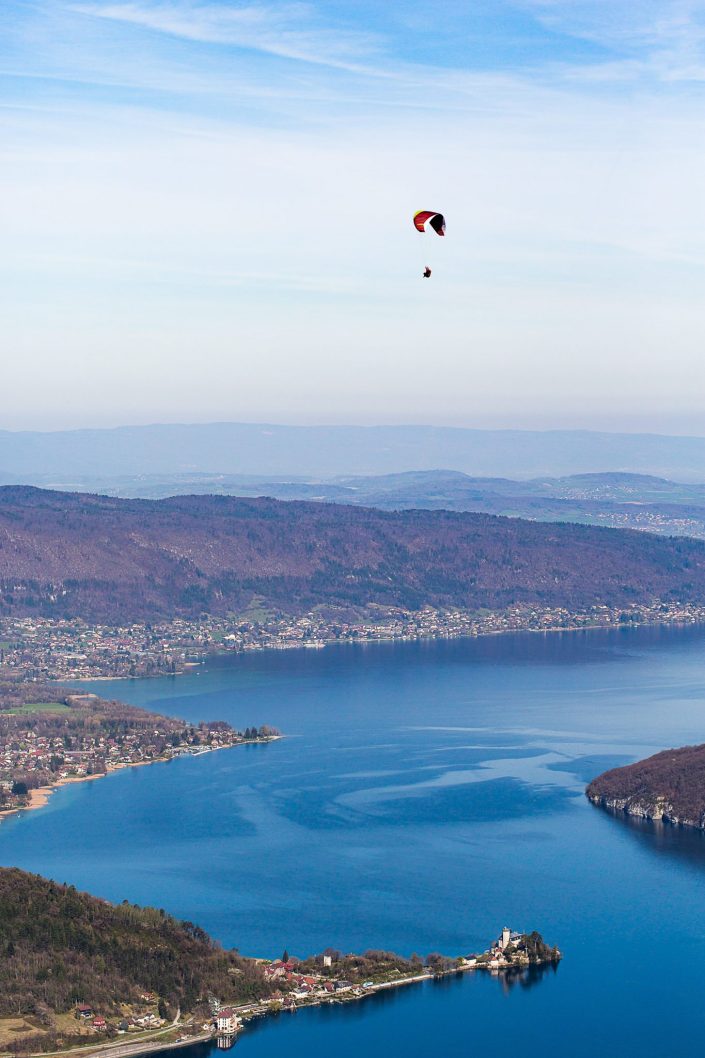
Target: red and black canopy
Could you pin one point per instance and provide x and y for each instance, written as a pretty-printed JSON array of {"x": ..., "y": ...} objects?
[{"x": 436, "y": 220}]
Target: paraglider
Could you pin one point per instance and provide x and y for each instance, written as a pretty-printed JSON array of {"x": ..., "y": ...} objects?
[{"x": 436, "y": 221}]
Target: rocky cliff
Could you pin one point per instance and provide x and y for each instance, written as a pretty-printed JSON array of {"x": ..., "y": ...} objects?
[{"x": 669, "y": 786}]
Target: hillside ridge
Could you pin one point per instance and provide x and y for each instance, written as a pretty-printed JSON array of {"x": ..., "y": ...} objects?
[
  {"x": 108, "y": 951},
  {"x": 100, "y": 558},
  {"x": 668, "y": 786}
]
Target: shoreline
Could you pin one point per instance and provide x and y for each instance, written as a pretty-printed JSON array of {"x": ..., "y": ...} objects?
[
  {"x": 191, "y": 666},
  {"x": 40, "y": 796},
  {"x": 362, "y": 992},
  {"x": 248, "y": 1013},
  {"x": 648, "y": 812}
]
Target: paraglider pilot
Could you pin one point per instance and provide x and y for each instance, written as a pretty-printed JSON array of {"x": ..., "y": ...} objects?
[{"x": 426, "y": 272}]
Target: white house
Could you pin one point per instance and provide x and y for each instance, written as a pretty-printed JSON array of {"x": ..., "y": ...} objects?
[{"x": 227, "y": 1022}]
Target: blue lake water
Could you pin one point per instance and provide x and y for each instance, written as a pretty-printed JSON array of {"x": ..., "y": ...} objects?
[{"x": 426, "y": 794}]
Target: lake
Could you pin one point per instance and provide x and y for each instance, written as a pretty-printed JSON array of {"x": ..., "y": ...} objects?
[{"x": 426, "y": 794}]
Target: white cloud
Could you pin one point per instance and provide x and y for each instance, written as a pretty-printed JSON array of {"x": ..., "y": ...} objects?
[
  {"x": 288, "y": 30},
  {"x": 663, "y": 37}
]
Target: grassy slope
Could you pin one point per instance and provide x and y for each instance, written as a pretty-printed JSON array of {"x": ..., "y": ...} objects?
[{"x": 40, "y": 707}]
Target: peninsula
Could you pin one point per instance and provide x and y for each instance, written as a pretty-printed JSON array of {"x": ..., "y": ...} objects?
[
  {"x": 50, "y": 736},
  {"x": 80, "y": 972},
  {"x": 669, "y": 786}
]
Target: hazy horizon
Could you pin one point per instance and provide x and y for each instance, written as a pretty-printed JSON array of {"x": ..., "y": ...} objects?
[
  {"x": 267, "y": 448},
  {"x": 522, "y": 425}
]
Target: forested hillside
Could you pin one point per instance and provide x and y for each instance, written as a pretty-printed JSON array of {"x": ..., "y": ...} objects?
[
  {"x": 60, "y": 947},
  {"x": 670, "y": 786},
  {"x": 69, "y": 554}
]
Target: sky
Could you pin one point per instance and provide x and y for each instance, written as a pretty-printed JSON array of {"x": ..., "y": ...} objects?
[{"x": 206, "y": 212}]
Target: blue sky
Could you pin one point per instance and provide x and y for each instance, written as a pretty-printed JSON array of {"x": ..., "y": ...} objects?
[{"x": 207, "y": 206}]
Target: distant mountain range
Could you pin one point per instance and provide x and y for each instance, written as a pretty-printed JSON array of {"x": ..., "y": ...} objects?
[
  {"x": 616, "y": 500},
  {"x": 324, "y": 451},
  {"x": 110, "y": 559}
]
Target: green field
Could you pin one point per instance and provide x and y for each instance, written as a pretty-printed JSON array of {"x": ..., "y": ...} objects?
[{"x": 40, "y": 707}]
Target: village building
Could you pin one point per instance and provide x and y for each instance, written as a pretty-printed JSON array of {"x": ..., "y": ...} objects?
[{"x": 227, "y": 1021}]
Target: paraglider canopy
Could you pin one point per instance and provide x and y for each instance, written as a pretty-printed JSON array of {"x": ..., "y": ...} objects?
[{"x": 436, "y": 220}]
